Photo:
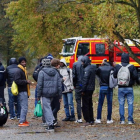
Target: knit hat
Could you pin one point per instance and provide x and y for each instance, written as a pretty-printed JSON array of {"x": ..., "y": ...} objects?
[
  {"x": 50, "y": 57},
  {"x": 21, "y": 59},
  {"x": 46, "y": 62}
]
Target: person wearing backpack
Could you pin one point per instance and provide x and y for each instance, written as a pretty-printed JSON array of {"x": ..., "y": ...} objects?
[
  {"x": 103, "y": 72},
  {"x": 77, "y": 73},
  {"x": 67, "y": 93},
  {"x": 48, "y": 87},
  {"x": 126, "y": 75},
  {"x": 10, "y": 71}
]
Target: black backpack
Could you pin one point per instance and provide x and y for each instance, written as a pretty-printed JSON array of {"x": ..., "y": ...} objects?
[{"x": 36, "y": 72}]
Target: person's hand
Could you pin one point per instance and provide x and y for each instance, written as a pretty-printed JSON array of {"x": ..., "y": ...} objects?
[
  {"x": 64, "y": 78},
  {"x": 83, "y": 93},
  {"x": 114, "y": 64},
  {"x": 28, "y": 81},
  {"x": 60, "y": 100}
]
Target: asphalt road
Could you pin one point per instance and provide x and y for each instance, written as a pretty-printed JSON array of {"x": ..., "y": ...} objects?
[{"x": 66, "y": 130}]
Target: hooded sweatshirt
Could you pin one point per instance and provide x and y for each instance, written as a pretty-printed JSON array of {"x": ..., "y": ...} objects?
[
  {"x": 2, "y": 75},
  {"x": 78, "y": 72},
  {"x": 10, "y": 71},
  {"x": 132, "y": 69},
  {"x": 49, "y": 83},
  {"x": 66, "y": 73}
]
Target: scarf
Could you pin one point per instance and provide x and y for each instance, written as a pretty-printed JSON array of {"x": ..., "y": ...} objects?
[{"x": 24, "y": 69}]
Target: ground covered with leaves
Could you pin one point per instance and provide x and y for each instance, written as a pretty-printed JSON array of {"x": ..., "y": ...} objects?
[{"x": 72, "y": 130}]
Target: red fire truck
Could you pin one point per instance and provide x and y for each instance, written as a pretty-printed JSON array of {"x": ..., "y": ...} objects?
[{"x": 97, "y": 49}]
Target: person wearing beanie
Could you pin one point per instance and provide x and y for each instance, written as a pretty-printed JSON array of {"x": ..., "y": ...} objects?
[
  {"x": 49, "y": 56},
  {"x": 48, "y": 87},
  {"x": 22, "y": 82},
  {"x": 10, "y": 71}
]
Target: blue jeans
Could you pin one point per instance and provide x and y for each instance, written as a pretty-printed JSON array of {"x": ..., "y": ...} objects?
[
  {"x": 122, "y": 94},
  {"x": 36, "y": 96},
  {"x": 108, "y": 92},
  {"x": 13, "y": 99},
  {"x": 68, "y": 103}
]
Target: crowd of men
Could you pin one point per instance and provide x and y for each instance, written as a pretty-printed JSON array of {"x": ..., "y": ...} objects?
[{"x": 55, "y": 81}]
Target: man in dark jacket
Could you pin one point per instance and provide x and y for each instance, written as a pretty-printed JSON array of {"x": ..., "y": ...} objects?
[
  {"x": 48, "y": 86},
  {"x": 88, "y": 86},
  {"x": 2, "y": 80},
  {"x": 77, "y": 73},
  {"x": 22, "y": 82},
  {"x": 10, "y": 71},
  {"x": 126, "y": 91},
  {"x": 103, "y": 72}
]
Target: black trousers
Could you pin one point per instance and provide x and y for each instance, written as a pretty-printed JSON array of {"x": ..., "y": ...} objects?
[
  {"x": 78, "y": 98},
  {"x": 2, "y": 92},
  {"x": 87, "y": 106},
  {"x": 55, "y": 106}
]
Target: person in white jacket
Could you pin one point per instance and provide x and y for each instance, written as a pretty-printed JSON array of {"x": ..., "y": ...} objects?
[{"x": 67, "y": 93}]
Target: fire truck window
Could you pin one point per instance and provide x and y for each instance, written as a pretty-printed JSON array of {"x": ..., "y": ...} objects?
[
  {"x": 83, "y": 48},
  {"x": 100, "y": 49}
]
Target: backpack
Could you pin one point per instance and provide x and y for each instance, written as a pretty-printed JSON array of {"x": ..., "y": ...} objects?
[
  {"x": 36, "y": 72},
  {"x": 123, "y": 75},
  {"x": 113, "y": 82}
]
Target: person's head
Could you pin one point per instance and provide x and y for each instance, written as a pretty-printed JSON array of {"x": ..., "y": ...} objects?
[
  {"x": 80, "y": 57},
  {"x": 63, "y": 62},
  {"x": 46, "y": 62},
  {"x": 40, "y": 60},
  {"x": 13, "y": 61},
  {"x": 125, "y": 58},
  {"x": 55, "y": 63},
  {"x": 104, "y": 61},
  {"x": 22, "y": 61},
  {"x": 49, "y": 56},
  {"x": 85, "y": 61}
]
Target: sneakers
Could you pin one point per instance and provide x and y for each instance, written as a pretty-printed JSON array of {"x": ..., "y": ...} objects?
[
  {"x": 44, "y": 124},
  {"x": 131, "y": 122},
  {"x": 91, "y": 123},
  {"x": 72, "y": 119},
  {"x": 55, "y": 122},
  {"x": 122, "y": 122},
  {"x": 12, "y": 118},
  {"x": 79, "y": 121},
  {"x": 109, "y": 121},
  {"x": 66, "y": 119},
  {"x": 18, "y": 118},
  {"x": 26, "y": 122},
  {"x": 50, "y": 128},
  {"x": 85, "y": 124},
  {"x": 98, "y": 121},
  {"x": 23, "y": 124}
]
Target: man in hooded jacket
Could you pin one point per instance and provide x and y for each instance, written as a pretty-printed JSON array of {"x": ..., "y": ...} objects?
[
  {"x": 10, "y": 72},
  {"x": 88, "y": 86},
  {"x": 126, "y": 91},
  {"x": 77, "y": 73},
  {"x": 48, "y": 86}
]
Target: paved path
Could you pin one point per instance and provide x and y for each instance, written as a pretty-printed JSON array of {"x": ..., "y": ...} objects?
[{"x": 67, "y": 130}]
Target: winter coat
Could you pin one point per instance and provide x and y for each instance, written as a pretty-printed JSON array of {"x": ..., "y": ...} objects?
[
  {"x": 2, "y": 75},
  {"x": 77, "y": 73},
  {"x": 10, "y": 71},
  {"x": 20, "y": 80},
  {"x": 88, "y": 82},
  {"x": 132, "y": 69},
  {"x": 66, "y": 73},
  {"x": 104, "y": 73},
  {"x": 49, "y": 83}
]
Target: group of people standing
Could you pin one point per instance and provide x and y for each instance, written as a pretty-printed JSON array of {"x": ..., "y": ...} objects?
[{"x": 55, "y": 81}]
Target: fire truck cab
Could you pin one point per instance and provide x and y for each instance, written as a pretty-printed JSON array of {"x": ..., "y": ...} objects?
[{"x": 96, "y": 48}]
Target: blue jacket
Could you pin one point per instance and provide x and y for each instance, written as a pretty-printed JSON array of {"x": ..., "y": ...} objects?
[{"x": 2, "y": 75}]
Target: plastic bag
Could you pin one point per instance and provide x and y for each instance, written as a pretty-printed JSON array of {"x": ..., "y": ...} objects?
[
  {"x": 14, "y": 89},
  {"x": 38, "y": 110}
]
